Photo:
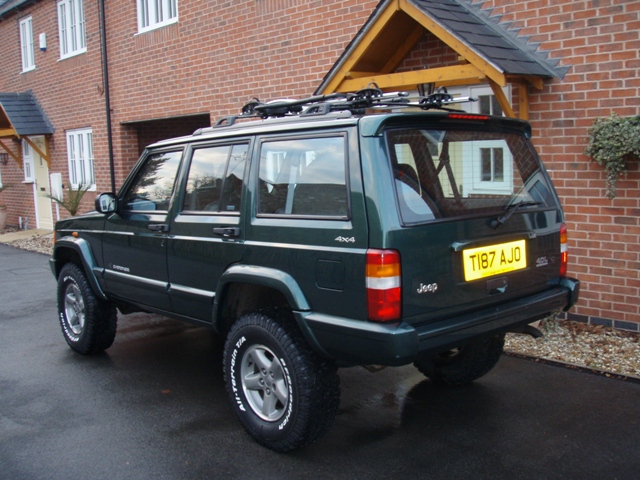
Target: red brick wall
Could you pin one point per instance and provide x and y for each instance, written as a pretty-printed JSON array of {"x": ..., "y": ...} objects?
[
  {"x": 70, "y": 91},
  {"x": 600, "y": 40},
  {"x": 221, "y": 54}
]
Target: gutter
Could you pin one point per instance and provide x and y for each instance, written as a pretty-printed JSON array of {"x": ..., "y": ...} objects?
[{"x": 105, "y": 79}]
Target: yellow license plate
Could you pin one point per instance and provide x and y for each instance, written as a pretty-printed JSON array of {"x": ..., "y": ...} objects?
[{"x": 494, "y": 259}]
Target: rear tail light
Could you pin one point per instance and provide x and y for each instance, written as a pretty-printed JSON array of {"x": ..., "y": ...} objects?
[
  {"x": 384, "y": 293},
  {"x": 564, "y": 254}
]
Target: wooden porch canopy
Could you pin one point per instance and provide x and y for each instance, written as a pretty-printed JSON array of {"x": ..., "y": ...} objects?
[
  {"x": 20, "y": 118},
  {"x": 488, "y": 52}
]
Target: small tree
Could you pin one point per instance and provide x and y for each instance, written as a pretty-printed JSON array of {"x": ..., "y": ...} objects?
[
  {"x": 70, "y": 202},
  {"x": 612, "y": 142}
]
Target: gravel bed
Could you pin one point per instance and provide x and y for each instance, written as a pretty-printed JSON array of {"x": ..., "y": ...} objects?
[
  {"x": 35, "y": 243},
  {"x": 594, "y": 347}
]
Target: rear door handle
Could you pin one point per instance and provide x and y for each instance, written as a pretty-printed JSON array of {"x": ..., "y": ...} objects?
[
  {"x": 158, "y": 227},
  {"x": 227, "y": 231}
]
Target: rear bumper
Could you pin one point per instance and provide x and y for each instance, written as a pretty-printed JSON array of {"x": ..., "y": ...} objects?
[{"x": 357, "y": 342}]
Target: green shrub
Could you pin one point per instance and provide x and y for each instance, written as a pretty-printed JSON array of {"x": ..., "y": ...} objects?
[
  {"x": 71, "y": 202},
  {"x": 612, "y": 142}
]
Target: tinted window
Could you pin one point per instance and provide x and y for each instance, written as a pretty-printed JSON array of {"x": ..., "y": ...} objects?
[
  {"x": 442, "y": 173},
  {"x": 153, "y": 186},
  {"x": 305, "y": 176},
  {"x": 215, "y": 179}
]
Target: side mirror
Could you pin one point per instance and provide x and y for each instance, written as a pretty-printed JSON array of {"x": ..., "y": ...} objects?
[{"x": 106, "y": 203}]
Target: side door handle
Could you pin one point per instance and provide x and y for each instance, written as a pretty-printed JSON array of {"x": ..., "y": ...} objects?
[
  {"x": 227, "y": 231},
  {"x": 158, "y": 227}
]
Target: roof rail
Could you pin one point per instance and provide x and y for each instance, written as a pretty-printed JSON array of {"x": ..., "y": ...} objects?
[{"x": 357, "y": 103}]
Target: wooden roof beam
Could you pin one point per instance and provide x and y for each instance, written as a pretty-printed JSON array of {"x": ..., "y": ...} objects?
[
  {"x": 37, "y": 149},
  {"x": 489, "y": 70},
  {"x": 465, "y": 74},
  {"x": 11, "y": 154},
  {"x": 362, "y": 46},
  {"x": 412, "y": 40},
  {"x": 502, "y": 99},
  {"x": 8, "y": 132}
]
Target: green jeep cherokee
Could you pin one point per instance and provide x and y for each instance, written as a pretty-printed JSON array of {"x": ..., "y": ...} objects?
[{"x": 322, "y": 235}]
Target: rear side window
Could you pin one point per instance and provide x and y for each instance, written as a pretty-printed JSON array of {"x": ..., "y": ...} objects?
[
  {"x": 215, "y": 179},
  {"x": 450, "y": 173},
  {"x": 153, "y": 187},
  {"x": 304, "y": 177}
]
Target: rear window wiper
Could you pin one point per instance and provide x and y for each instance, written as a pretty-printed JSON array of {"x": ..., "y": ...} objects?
[{"x": 510, "y": 210}]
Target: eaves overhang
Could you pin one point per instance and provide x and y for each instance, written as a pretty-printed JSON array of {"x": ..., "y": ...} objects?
[
  {"x": 488, "y": 51},
  {"x": 22, "y": 117},
  {"x": 8, "y": 7}
]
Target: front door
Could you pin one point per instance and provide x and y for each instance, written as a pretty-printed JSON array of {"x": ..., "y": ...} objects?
[
  {"x": 41, "y": 189},
  {"x": 135, "y": 240}
]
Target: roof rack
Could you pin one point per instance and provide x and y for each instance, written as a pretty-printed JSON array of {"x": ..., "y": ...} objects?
[{"x": 368, "y": 98}]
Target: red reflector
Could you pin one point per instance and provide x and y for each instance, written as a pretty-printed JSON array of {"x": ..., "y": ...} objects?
[
  {"x": 384, "y": 305},
  {"x": 384, "y": 292},
  {"x": 462, "y": 116}
]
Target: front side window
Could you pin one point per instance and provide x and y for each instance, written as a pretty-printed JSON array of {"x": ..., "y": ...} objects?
[
  {"x": 26, "y": 44},
  {"x": 450, "y": 173},
  {"x": 71, "y": 27},
  {"x": 215, "y": 179},
  {"x": 156, "y": 13},
  {"x": 80, "y": 155},
  {"x": 304, "y": 176},
  {"x": 154, "y": 183}
]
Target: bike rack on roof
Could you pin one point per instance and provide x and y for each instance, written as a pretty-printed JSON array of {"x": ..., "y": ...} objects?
[{"x": 357, "y": 103}]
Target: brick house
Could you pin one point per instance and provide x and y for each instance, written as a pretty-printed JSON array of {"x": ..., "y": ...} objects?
[{"x": 176, "y": 65}]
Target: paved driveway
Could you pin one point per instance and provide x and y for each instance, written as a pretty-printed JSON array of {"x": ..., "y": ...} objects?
[{"x": 154, "y": 406}]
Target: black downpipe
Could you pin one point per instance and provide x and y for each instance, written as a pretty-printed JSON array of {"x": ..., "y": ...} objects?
[{"x": 105, "y": 79}]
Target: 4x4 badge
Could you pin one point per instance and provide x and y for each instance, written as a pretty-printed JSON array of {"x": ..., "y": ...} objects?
[
  {"x": 346, "y": 239},
  {"x": 429, "y": 288}
]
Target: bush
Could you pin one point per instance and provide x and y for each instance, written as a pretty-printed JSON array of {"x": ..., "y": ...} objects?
[
  {"x": 72, "y": 201},
  {"x": 612, "y": 142}
]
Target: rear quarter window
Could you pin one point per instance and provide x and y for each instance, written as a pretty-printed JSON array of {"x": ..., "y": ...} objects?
[{"x": 303, "y": 177}]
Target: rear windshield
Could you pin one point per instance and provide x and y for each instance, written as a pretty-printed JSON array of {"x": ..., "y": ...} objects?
[{"x": 452, "y": 173}]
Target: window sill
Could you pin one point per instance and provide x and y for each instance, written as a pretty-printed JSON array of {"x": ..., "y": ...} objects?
[
  {"x": 72, "y": 55},
  {"x": 92, "y": 188},
  {"x": 157, "y": 26}
]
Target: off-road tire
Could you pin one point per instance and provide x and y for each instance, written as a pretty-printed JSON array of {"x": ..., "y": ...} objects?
[
  {"x": 285, "y": 395},
  {"x": 88, "y": 322},
  {"x": 462, "y": 365}
]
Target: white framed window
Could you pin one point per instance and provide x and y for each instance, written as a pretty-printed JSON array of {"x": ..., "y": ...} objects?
[
  {"x": 26, "y": 44},
  {"x": 489, "y": 165},
  {"x": 80, "y": 155},
  {"x": 156, "y": 13},
  {"x": 28, "y": 164},
  {"x": 71, "y": 27}
]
